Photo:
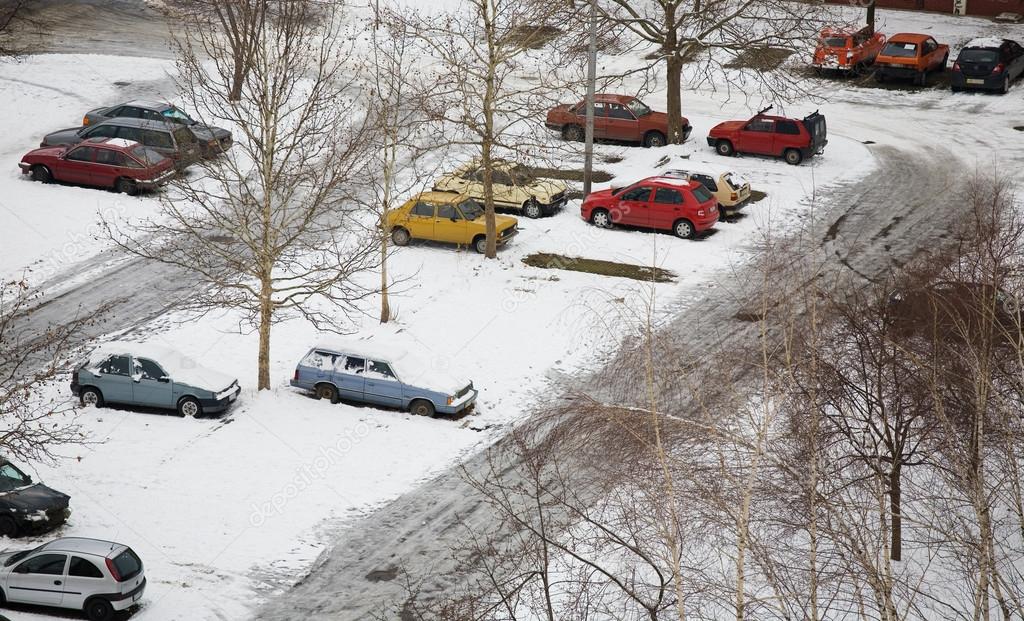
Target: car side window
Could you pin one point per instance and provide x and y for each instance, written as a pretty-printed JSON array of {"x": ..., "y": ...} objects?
[
  {"x": 114, "y": 112},
  {"x": 423, "y": 209},
  {"x": 148, "y": 369},
  {"x": 115, "y": 365},
  {"x": 110, "y": 157},
  {"x": 160, "y": 140},
  {"x": 600, "y": 109},
  {"x": 619, "y": 111},
  {"x": 641, "y": 195},
  {"x": 102, "y": 131},
  {"x": 668, "y": 196},
  {"x": 47, "y": 564},
  {"x": 707, "y": 182},
  {"x": 130, "y": 133},
  {"x": 83, "y": 568},
  {"x": 448, "y": 212},
  {"x": 380, "y": 370},
  {"x": 761, "y": 125},
  {"x": 353, "y": 365},
  {"x": 319, "y": 360},
  {"x": 787, "y": 127},
  {"x": 81, "y": 154},
  {"x": 152, "y": 115},
  {"x": 501, "y": 177},
  {"x": 130, "y": 112}
]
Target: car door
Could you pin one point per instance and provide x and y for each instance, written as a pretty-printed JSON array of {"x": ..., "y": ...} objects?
[
  {"x": 505, "y": 194},
  {"x": 420, "y": 221},
  {"x": 930, "y": 54},
  {"x": 110, "y": 165},
  {"x": 622, "y": 125},
  {"x": 634, "y": 207},
  {"x": 787, "y": 134},
  {"x": 600, "y": 118},
  {"x": 83, "y": 579},
  {"x": 38, "y": 580},
  {"x": 114, "y": 379},
  {"x": 76, "y": 167},
  {"x": 382, "y": 387},
  {"x": 666, "y": 209},
  {"x": 449, "y": 225},
  {"x": 1016, "y": 63},
  {"x": 151, "y": 386},
  {"x": 348, "y": 377},
  {"x": 758, "y": 136}
]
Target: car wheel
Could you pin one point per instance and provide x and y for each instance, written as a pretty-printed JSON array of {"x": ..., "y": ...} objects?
[
  {"x": 8, "y": 527},
  {"x": 91, "y": 397},
  {"x": 724, "y": 147},
  {"x": 922, "y": 78},
  {"x": 956, "y": 89},
  {"x": 327, "y": 391},
  {"x": 945, "y": 62},
  {"x": 41, "y": 174},
  {"x": 793, "y": 156},
  {"x": 421, "y": 407},
  {"x": 400, "y": 237},
  {"x": 127, "y": 186},
  {"x": 480, "y": 244},
  {"x": 654, "y": 140},
  {"x": 189, "y": 407},
  {"x": 532, "y": 209},
  {"x": 99, "y": 610},
  {"x": 574, "y": 133},
  {"x": 879, "y": 77},
  {"x": 601, "y": 218},
  {"x": 683, "y": 229}
]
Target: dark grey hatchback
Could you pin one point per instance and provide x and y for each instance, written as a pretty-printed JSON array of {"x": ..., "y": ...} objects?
[
  {"x": 169, "y": 139},
  {"x": 27, "y": 507},
  {"x": 987, "y": 64}
]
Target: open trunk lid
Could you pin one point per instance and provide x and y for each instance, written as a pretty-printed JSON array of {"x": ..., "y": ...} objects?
[{"x": 816, "y": 126}]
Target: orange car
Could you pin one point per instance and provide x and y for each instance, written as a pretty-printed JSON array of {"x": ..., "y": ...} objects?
[
  {"x": 911, "y": 56},
  {"x": 846, "y": 51}
]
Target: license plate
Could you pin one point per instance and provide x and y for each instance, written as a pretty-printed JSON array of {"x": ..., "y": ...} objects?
[{"x": 975, "y": 81}]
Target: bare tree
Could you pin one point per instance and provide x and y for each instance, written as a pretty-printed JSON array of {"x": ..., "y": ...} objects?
[
  {"x": 269, "y": 227},
  {"x": 14, "y": 22}
]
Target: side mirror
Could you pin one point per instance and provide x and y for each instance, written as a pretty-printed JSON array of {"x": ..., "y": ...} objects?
[
  {"x": 164, "y": 379},
  {"x": 21, "y": 569},
  {"x": 28, "y": 480}
]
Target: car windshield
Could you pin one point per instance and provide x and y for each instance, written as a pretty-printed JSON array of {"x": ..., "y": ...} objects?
[
  {"x": 638, "y": 108},
  {"x": 900, "y": 50},
  {"x": 979, "y": 56},
  {"x": 471, "y": 209},
  {"x": 834, "y": 42},
  {"x": 177, "y": 116},
  {"x": 147, "y": 156},
  {"x": 702, "y": 194},
  {"x": 522, "y": 175},
  {"x": 11, "y": 478},
  {"x": 17, "y": 556}
]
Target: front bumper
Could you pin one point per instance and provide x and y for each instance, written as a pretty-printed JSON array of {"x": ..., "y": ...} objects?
[
  {"x": 686, "y": 132},
  {"x": 466, "y": 403},
  {"x": 42, "y": 521},
  {"x": 212, "y": 406},
  {"x": 555, "y": 127},
  {"x": 507, "y": 236},
  {"x": 987, "y": 83}
]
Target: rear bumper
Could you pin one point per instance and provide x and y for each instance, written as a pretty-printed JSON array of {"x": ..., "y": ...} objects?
[
  {"x": 555, "y": 127},
  {"x": 816, "y": 149},
  {"x": 900, "y": 73},
  {"x": 75, "y": 388},
  {"x": 712, "y": 142},
  {"x": 987, "y": 83},
  {"x": 149, "y": 184},
  {"x": 25, "y": 167},
  {"x": 122, "y": 601}
]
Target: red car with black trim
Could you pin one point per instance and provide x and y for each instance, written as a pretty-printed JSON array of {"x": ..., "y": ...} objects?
[
  {"x": 792, "y": 139},
  {"x": 113, "y": 163},
  {"x": 616, "y": 117},
  {"x": 665, "y": 203}
]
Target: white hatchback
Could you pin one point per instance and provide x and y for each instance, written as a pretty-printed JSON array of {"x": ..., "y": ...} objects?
[{"x": 94, "y": 576}]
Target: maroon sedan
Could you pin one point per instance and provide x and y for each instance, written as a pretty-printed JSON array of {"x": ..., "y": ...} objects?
[
  {"x": 123, "y": 165},
  {"x": 616, "y": 117}
]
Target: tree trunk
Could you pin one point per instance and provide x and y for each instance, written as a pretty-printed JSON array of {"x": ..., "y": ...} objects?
[
  {"x": 238, "y": 78},
  {"x": 488, "y": 137},
  {"x": 266, "y": 315},
  {"x": 674, "y": 80},
  {"x": 385, "y": 306},
  {"x": 871, "y": 17},
  {"x": 895, "y": 511}
]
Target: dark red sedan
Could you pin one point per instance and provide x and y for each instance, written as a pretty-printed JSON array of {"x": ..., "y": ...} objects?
[{"x": 124, "y": 165}]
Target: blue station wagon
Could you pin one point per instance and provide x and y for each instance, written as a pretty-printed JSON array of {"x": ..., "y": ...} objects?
[
  {"x": 152, "y": 376},
  {"x": 392, "y": 379}
]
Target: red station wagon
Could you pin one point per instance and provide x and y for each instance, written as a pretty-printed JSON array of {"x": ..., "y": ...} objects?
[
  {"x": 771, "y": 135},
  {"x": 123, "y": 165},
  {"x": 616, "y": 117},
  {"x": 666, "y": 203}
]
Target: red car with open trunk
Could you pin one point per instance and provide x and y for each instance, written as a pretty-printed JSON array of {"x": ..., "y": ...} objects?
[
  {"x": 667, "y": 203},
  {"x": 846, "y": 51},
  {"x": 776, "y": 136},
  {"x": 616, "y": 117},
  {"x": 123, "y": 165}
]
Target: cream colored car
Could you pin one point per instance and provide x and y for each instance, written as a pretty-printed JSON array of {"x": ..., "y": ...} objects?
[
  {"x": 731, "y": 190},
  {"x": 514, "y": 188}
]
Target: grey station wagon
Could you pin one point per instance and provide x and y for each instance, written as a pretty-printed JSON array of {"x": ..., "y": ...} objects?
[
  {"x": 152, "y": 376},
  {"x": 389, "y": 378},
  {"x": 212, "y": 140},
  {"x": 171, "y": 140}
]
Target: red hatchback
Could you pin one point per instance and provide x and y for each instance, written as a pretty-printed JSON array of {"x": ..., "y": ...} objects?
[
  {"x": 666, "y": 203},
  {"x": 123, "y": 165}
]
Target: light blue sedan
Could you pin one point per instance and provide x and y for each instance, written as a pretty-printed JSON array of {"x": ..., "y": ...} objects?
[{"x": 382, "y": 377}]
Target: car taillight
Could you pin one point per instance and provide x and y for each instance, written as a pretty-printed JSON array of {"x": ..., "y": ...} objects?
[
  {"x": 956, "y": 66},
  {"x": 113, "y": 570},
  {"x": 700, "y": 212},
  {"x": 733, "y": 196},
  {"x": 999, "y": 68},
  {"x": 74, "y": 377},
  {"x": 296, "y": 375}
]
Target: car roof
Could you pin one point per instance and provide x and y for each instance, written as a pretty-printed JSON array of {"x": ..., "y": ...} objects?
[
  {"x": 120, "y": 144},
  {"x": 986, "y": 43},
  {"x": 439, "y": 197},
  {"x": 613, "y": 98},
  {"x": 82, "y": 545},
  {"x": 141, "y": 123},
  {"x": 147, "y": 104},
  {"x": 909, "y": 37}
]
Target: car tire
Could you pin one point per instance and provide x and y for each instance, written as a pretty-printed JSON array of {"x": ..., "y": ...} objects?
[
  {"x": 684, "y": 229},
  {"x": 126, "y": 186},
  {"x": 8, "y": 527},
  {"x": 532, "y": 209},
  {"x": 879, "y": 77},
  {"x": 90, "y": 396},
  {"x": 41, "y": 174},
  {"x": 793, "y": 157},
  {"x": 422, "y": 407},
  {"x": 480, "y": 244},
  {"x": 400, "y": 237},
  {"x": 601, "y": 219},
  {"x": 725, "y": 148},
  {"x": 945, "y": 62},
  {"x": 99, "y": 609},
  {"x": 574, "y": 133},
  {"x": 654, "y": 140},
  {"x": 189, "y": 407},
  {"x": 326, "y": 391},
  {"x": 955, "y": 89},
  {"x": 922, "y": 79}
]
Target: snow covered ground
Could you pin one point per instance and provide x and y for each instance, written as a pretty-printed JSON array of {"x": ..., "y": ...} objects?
[{"x": 222, "y": 509}]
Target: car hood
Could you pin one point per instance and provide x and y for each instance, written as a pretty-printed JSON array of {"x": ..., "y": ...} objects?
[
  {"x": 729, "y": 126},
  {"x": 63, "y": 137},
  {"x": 37, "y": 497},
  {"x": 503, "y": 222},
  {"x": 47, "y": 151},
  {"x": 598, "y": 196},
  {"x": 545, "y": 188},
  {"x": 659, "y": 119},
  {"x": 209, "y": 132}
]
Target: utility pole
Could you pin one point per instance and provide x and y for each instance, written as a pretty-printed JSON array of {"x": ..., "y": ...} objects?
[{"x": 588, "y": 164}]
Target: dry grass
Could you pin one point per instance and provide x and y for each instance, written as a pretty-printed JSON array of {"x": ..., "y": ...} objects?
[
  {"x": 596, "y": 266},
  {"x": 760, "y": 58}
]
